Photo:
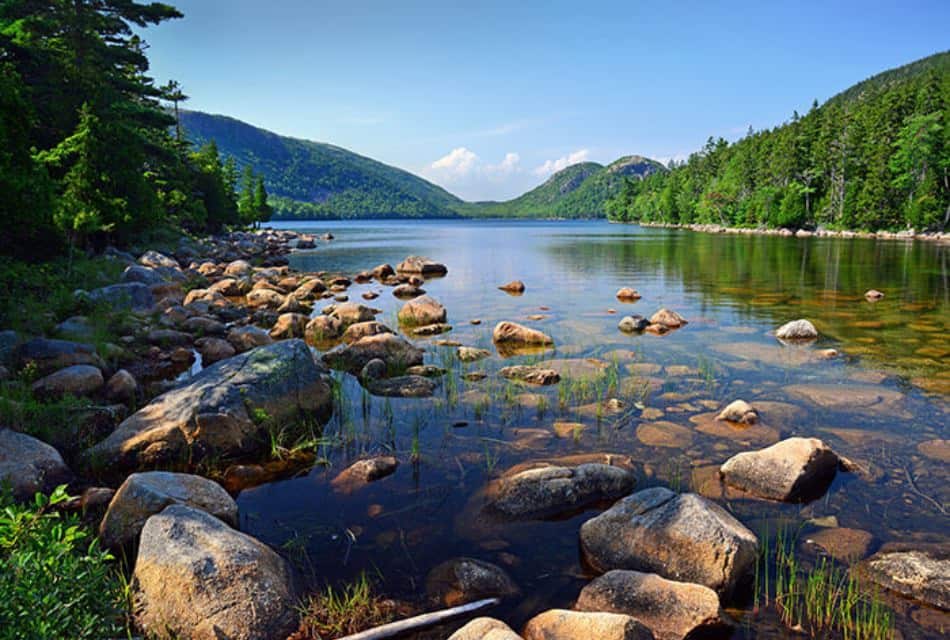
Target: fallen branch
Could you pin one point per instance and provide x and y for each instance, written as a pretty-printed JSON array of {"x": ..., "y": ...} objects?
[{"x": 421, "y": 621}]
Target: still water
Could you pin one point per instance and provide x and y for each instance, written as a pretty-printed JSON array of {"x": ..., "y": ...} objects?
[{"x": 883, "y": 402}]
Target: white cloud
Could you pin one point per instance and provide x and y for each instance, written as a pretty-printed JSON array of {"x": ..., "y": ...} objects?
[
  {"x": 553, "y": 166},
  {"x": 457, "y": 162},
  {"x": 509, "y": 164},
  {"x": 463, "y": 172}
]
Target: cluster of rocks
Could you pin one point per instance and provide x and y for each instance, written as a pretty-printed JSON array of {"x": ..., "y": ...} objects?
[{"x": 907, "y": 234}]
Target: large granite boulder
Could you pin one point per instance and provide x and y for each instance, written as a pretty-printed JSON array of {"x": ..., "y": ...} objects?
[
  {"x": 920, "y": 572},
  {"x": 142, "y": 495},
  {"x": 548, "y": 489},
  {"x": 422, "y": 266},
  {"x": 196, "y": 577},
  {"x": 30, "y": 465},
  {"x": 126, "y": 295},
  {"x": 672, "y": 610},
  {"x": 421, "y": 311},
  {"x": 793, "y": 470},
  {"x": 222, "y": 410},
  {"x": 561, "y": 624},
  {"x": 77, "y": 380},
  {"x": 682, "y": 537},
  {"x": 485, "y": 629}
]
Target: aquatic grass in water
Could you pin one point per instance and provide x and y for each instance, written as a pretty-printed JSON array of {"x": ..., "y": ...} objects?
[
  {"x": 345, "y": 610},
  {"x": 821, "y": 600}
]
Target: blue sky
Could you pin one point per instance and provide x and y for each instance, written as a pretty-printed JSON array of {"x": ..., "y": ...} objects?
[{"x": 488, "y": 98}]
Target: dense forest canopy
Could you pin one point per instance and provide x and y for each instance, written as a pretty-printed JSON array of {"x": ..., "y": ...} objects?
[
  {"x": 90, "y": 151},
  {"x": 876, "y": 156}
]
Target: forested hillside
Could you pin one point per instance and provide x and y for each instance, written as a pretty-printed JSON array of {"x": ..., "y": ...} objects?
[
  {"x": 90, "y": 151},
  {"x": 315, "y": 180},
  {"x": 876, "y": 156}
]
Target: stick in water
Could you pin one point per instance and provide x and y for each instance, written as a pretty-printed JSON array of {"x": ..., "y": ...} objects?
[{"x": 421, "y": 621}]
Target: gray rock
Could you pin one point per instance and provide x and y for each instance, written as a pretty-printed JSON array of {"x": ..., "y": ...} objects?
[
  {"x": 51, "y": 355},
  {"x": 918, "y": 572},
  {"x": 471, "y": 354},
  {"x": 422, "y": 266},
  {"x": 561, "y": 624},
  {"x": 196, "y": 577},
  {"x": 531, "y": 374},
  {"x": 405, "y": 291},
  {"x": 222, "y": 409},
  {"x": 797, "y": 330},
  {"x": 633, "y": 324},
  {"x": 214, "y": 350},
  {"x": 463, "y": 580},
  {"x": 139, "y": 273},
  {"x": 30, "y": 465},
  {"x": 76, "y": 328},
  {"x": 682, "y": 537},
  {"x": 127, "y": 295},
  {"x": 121, "y": 387},
  {"x": 396, "y": 352},
  {"x": 672, "y": 610},
  {"x": 250, "y": 337},
  {"x": 548, "y": 489},
  {"x": 408, "y": 386},
  {"x": 142, "y": 495},
  {"x": 154, "y": 259},
  {"x": 793, "y": 470},
  {"x": 77, "y": 380}
]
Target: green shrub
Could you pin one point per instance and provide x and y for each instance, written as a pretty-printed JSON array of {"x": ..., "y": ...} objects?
[{"x": 55, "y": 581}]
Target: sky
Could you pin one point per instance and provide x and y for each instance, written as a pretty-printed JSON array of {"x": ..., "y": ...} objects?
[{"x": 487, "y": 99}]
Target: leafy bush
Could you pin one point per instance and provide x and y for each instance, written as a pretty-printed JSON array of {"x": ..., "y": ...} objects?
[{"x": 55, "y": 581}]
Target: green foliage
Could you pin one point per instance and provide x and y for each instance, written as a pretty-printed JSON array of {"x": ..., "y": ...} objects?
[
  {"x": 346, "y": 610},
  {"x": 876, "y": 156},
  {"x": 55, "y": 582}
]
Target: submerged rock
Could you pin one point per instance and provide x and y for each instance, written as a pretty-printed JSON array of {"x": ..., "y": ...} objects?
[
  {"x": 430, "y": 329},
  {"x": 531, "y": 374},
  {"x": 562, "y": 624},
  {"x": 841, "y": 543},
  {"x": 408, "y": 386},
  {"x": 196, "y": 577},
  {"x": 471, "y": 354},
  {"x": 221, "y": 410},
  {"x": 671, "y": 610},
  {"x": 142, "y": 495},
  {"x": 363, "y": 472},
  {"x": 793, "y": 470},
  {"x": 462, "y": 580},
  {"x": 921, "y": 573},
  {"x": 678, "y": 536},
  {"x": 30, "y": 465},
  {"x": 797, "y": 330},
  {"x": 548, "y": 489}
]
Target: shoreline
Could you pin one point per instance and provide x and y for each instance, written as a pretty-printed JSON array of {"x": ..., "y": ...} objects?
[{"x": 908, "y": 234}]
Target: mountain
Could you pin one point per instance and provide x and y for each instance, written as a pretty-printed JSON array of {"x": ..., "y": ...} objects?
[
  {"x": 578, "y": 191},
  {"x": 316, "y": 180}
]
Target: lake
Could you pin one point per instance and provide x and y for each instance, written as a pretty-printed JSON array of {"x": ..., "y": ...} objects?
[{"x": 882, "y": 402}]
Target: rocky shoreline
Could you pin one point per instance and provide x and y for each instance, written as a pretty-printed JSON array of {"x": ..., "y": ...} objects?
[
  {"x": 909, "y": 234},
  {"x": 217, "y": 351}
]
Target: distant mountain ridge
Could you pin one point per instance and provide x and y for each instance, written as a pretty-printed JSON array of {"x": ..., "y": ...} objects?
[{"x": 308, "y": 179}]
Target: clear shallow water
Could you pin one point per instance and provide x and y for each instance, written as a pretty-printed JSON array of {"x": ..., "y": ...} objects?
[{"x": 882, "y": 403}]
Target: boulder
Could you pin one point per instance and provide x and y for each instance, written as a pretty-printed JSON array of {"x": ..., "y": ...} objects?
[
  {"x": 513, "y": 333},
  {"x": 214, "y": 350},
  {"x": 682, "y": 537},
  {"x": 548, "y": 490},
  {"x": 739, "y": 411},
  {"x": 561, "y": 624},
  {"x": 471, "y": 354},
  {"x": 222, "y": 410},
  {"x": 485, "y": 629},
  {"x": 406, "y": 291},
  {"x": 121, "y": 387},
  {"x": 168, "y": 337},
  {"x": 352, "y": 312},
  {"x": 671, "y": 610},
  {"x": 395, "y": 351},
  {"x": 797, "y": 330},
  {"x": 873, "y": 295},
  {"x": 309, "y": 289},
  {"x": 196, "y": 577},
  {"x": 76, "y": 328},
  {"x": 362, "y": 329},
  {"x": 30, "y": 465},
  {"x": 793, "y": 470},
  {"x": 139, "y": 273},
  {"x": 420, "y": 311},
  {"x": 531, "y": 374},
  {"x": 920, "y": 572},
  {"x": 364, "y": 471},
  {"x": 155, "y": 260},
  {"x": 515, "y": 287},
  {"x": 383, "y": 271},
  {"x": 238, "y": 268},
  {"x": 51, "y": 355},
  {"x": 229, "y": 287},
  {"x": 77, "y": 380},
  {"x": 142, "y": 495},
  {"x": 289, "y": 325},
  {"x": 463, "y": 580},
  {"x": 430, "y": 329},
  {"x": 323, "y": 328},
  {"x": 247, "y": 338},
  {"x": 422, "y": 266},
  {"x": 264, "y": 299},
  {"x": 633, "y": 324},
  {"x": 627, "y": 294},
  {"x": 126, "y": 295},
  {"x": 408, "y": 386},
  {"x": 204, "y": 326},
  {"x": 667, "y": 318}
]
